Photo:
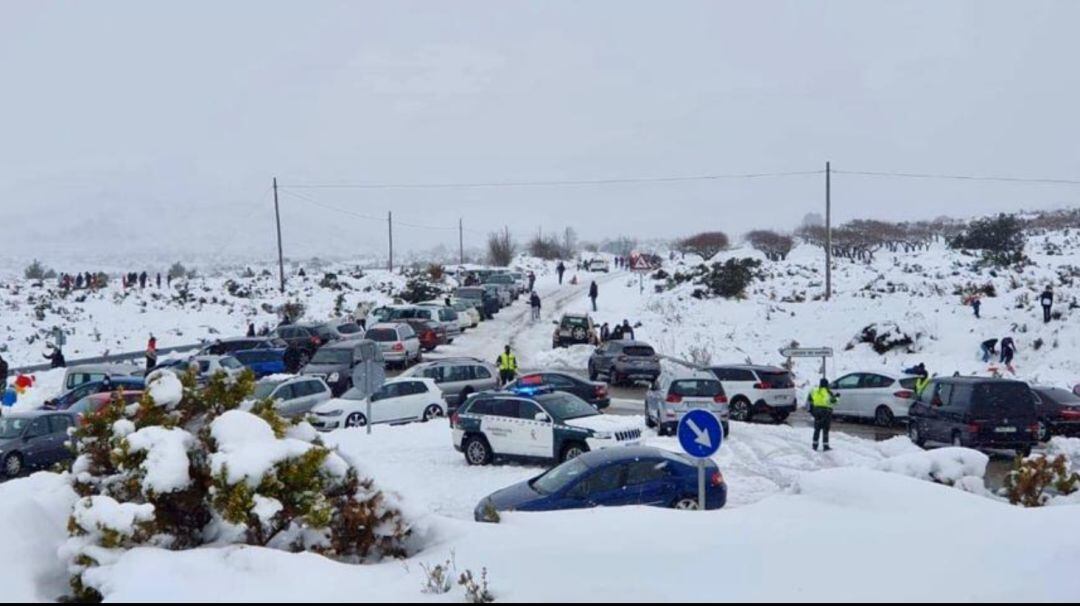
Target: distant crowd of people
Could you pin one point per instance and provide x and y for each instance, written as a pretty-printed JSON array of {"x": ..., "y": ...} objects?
[{"x": 95, "y": 280}]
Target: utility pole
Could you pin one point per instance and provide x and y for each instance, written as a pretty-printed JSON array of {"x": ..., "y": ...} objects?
[
  {"x": 280, "y": 253},
  {"x": 390, "y": 223},
  {"x": 461, "y": 240},
  {"x": 828, "y": 231}
]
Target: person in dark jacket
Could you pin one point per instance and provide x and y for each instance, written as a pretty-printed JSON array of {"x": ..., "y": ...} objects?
[
  {"x": 534, "y": 303},
  {"x": 159, "y": 280},
  {"x": 251, "y": 329},
  {"x": 142, "y": 279},
  {"x": 1008, "y": 350},
  {"x": 605, "y": 333},
  {"x": 627, "y": 330},
  {"x": 617, "y": 333},
  {"x": 594, "y": 291},
  {"x": 151, "y": 354},
  {"x": 989, "y": 348},
  {"x": 3, "y": 375},
  {"x": 560, "y": 269},
  {"x": 976, "y": 304},
  {"x": 532, "y": 281},
  {"x": 56, "y": 358},
  {"x": 292, "y": 360},
  {"x": 1046, "y": 299}
]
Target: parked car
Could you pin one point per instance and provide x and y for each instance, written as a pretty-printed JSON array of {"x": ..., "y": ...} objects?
[
  {"x": 674, "y": 395},
  {"x": 505, "y": 282},
  {"x": 500, "y": 292},
  {"x": 486, "y": 304},
  {"x": 262, "y": 362},
  {"x": 89, "y": 373},
  {"x": 449, "y": 329},
  {"x": 593, "y": 392},
  {"x": 379, "y": 315},
  {"x": 66, "y": 399},
  {"x": 34, "y": 440},
  {"x": 339, "y": 330},
  {"x": 467, "y": 316},
  {"x": 553, "y": 426},
  {"x": 294, "y": 396},
  {"x": 976, "y": 412},
  {"x": 431, "y": 334},
  {"x": 881, "y": 396},
  {"x": 399, "y": 343},
  {"x": 93, "y": 404},
  {"x": 448, "y": 317},
  {"x": 458, "y": 378},
  {"x": 399, "y": 400},
  {"x": 612, "y": 478},
  {"x": 574, "y": 329},
  {"x": 623, "y": 362},
  {"x": 755, "y": 390},
  {"x": 303, "y": 337},
  {"x": 230, "y": 346},
  {"x": 521, "y": 281},
  {"x": 1059, "y": 412},
  {"x": 599, "y": 265},
  {"x": 337, "y": 363},
  {"x": 208, "y": 366}
]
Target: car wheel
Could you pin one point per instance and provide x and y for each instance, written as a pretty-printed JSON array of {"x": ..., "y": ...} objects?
[
  {"x": 1044, "y": 431},
  {"x": 432, "y": 412},
  {"x": 740, "y": 409},
  {"x": 884, "y": 417},
  {"x": 649, "y": 421},
  {"x": 356, "y": 419},
  {"x": 779, "y": 417},
  {"x": 1024, "y": 451},
  {"x": 915, "y": 435},
  {"x": 477, "y": 451},
  {"x": 957, "y": 441},
  {"x": 685, "y": 504},
  {"x": 592, "y": 373},
  {"x": 573, "y": 451},
  {"x": 13, "y": 465}
]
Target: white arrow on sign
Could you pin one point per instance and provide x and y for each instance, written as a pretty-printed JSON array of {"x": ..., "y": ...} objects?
[{"x": 701, "y": 436}]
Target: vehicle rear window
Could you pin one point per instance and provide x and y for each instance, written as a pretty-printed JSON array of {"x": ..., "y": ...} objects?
[
  {"x": 1006, "y": 398},
  {"x": 382, "y": 335},
  {"x": 639, "y": 351},
  {"x": 575, "y": 322},
  {"x": 1061, "y": 396},
  {"x": 697, "y": 388},
  {"x": 776, "y": 380},
  {"x": 564, "y": 406},
  {"x": 908, "y": 383},
  {"x": 479, "y": 407},
  {"x": 333, "y": 356},
  {"x": 349, "y": 328}
]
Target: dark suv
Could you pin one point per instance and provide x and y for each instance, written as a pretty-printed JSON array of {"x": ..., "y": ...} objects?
[
  {"x": 574, "y": 329},
  {"x": 977, "y": 413},
  {"x": 337, "y": 363},
  {"x": 302, "y": 337},
  {"x": 624, "y": 362}
]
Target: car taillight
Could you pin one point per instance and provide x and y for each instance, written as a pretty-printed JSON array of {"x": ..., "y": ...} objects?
[
  {"x": 720, "y": 399},
  {"x": 904, "y": 394},
  {"x": 316, "y": 341},
  {"x": 974, "y": 428},
  {"x": 601, "y": 391},
  {"x": 717, "y": 479},
  {"x": 674, "y": 399},
  {"x": 1072, "y": 414},
  {"x": 399, "y": 346},
  {"x": 1033, "y": 429},
  {"x": 761, "y": 385}
]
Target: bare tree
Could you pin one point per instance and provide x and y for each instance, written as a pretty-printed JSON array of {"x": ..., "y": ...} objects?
[
  {"x": 706, "y": 245},
  {"x": 501, "y": 248},
  {"x": 775, "y": 246}
]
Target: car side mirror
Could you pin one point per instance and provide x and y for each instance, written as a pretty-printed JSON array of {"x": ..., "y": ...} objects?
[{"x": 542, "y": 417}]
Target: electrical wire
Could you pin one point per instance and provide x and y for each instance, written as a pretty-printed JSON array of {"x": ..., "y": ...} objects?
[{"x": 904, "y": 175}]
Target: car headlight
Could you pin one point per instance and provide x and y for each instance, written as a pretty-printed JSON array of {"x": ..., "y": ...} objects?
[
  {"x": 334, "y": 377},
  {"x": 330, "y": 413}
]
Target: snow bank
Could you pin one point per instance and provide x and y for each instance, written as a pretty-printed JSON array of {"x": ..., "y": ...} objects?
[
  {"x": 33, "y": 524},
  {"x": 166, "y": 389},
  {"x": 570, "y": 358},
  {"x": 248, "y": 448},
  {"x": 943, "y": 465},
  {"x": 166, "y": 465}
]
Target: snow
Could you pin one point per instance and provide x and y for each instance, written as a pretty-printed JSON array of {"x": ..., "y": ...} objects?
[
  {"x": 165, "y": 388},
  {"x": 944, "y": 465},
  {"x": 248, "y": 448},
  {"x": 105, "y": 513},
  {"x": 166, "y": 465},
  {"x": 33, "y": 523}
]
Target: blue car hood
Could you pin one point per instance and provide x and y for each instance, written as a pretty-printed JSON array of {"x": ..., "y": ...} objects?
[{"x": 514, "y": 497}]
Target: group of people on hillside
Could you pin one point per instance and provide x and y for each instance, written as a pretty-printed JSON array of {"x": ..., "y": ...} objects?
[
  {"x": 989, "y": 349},
  {"x": 1046, "y": 301},
  {"x": 133, "y": 279},
  {"x": 88, "y": 280},
  {"x": 621, "y": 332}
]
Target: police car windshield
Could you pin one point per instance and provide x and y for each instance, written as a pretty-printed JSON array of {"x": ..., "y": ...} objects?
[
  {"x": 560, "y": 477},
  {"x": 564, "y": 406}
]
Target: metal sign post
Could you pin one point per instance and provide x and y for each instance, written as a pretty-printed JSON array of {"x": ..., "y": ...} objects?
[
  {"x": 809, "y": 352},
  {"x": 700, "y": 435}
]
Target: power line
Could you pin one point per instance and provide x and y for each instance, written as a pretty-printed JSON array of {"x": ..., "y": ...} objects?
[
  {"x": 903, "y": 175},
  {"x": 315, "y": 202},
  {"x": 550, "y": 183}
]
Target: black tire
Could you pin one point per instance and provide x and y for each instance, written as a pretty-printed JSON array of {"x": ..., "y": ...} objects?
[
  {"x": 649, "y": 422},
  {"x": 433, "y": 411},
  {"x": 1045, "y": 434},
  {"x": 685, "y": 504},
  {"x": 477, "y": 451},
  {"x": 356, "y": 419},
  {"x": 13, "y": 465},
  {"x": 726, "y": 427},
  {"x": 883, "y": 417},
  {"x": 572, "y": 451},
  {"x": 915, "y": 435},
  {"x": 957, "y": 441},
  {"x": 740, "y": 410}
]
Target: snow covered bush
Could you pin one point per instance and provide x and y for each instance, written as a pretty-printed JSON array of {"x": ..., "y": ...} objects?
[
  {"x": 189, "y": 466},
  {"x": 729, "y": 279},
  {"x": 1035, "y": 480},
  {"x": 884, "y": 337},
  {"x": 418, "y": 290},
  {"x": 1001, "y": 239}
]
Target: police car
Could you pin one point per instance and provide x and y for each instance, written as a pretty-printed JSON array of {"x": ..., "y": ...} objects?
[{"x": 535, "y": 424}]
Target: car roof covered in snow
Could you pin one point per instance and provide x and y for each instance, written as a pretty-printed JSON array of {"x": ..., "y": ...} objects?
[
  {"x": 628, "y": 453},
  {"x": 751, "y": 367},
  {"x": 977, "y": 380}
]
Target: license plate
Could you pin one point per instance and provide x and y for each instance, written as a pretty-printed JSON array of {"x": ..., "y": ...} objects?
[{"x": 1004, "y": 430}]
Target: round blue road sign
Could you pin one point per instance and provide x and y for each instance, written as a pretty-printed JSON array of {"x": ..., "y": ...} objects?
[{"x": 700, "y": 434}]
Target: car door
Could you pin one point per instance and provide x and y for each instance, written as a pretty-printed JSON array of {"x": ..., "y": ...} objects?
[
  {"x": 651, "y": 483},
  {"x": 847, "y": 387},
  {"x": 285, "y": 397},
  {"x": 561, "y": 383},
  {"x": 58, "y": 435},
  {"x": 415, "y": 398},
  {"x": 878, "y": 391},
  {"x": 936, "y": 427},
  {"x": 503, "y": 429},
  {"x": 37, "y": 448},
  {"x": 537, "y": 437},
  {"x": 957, "y": 400},
  {"x": 606, "y": 487},
  {"x": 386, "y": 404}
]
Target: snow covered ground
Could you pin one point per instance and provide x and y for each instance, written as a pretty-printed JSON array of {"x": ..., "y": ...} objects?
[{"x": 864, "y": 522}]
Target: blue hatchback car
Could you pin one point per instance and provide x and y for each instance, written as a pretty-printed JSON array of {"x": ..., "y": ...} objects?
[
  {"x": 263, "y": 362},
  {"x": 66, "y": 399},
  {"x": 609, "y": 478}
]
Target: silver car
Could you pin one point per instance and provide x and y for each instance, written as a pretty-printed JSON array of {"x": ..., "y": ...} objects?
[
  {"x": 674, "y": 395},
  {"x": 293, "y": 396},
  {"x": 458, "y": 378}
]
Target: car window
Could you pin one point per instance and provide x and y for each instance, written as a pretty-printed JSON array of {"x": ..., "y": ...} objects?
[
  {"x": 849, "y": 381},
  {"x": 349, "y": 328},
  {"x": 315, "y": 387},
  {"x": 285, "y": 392},
  {"x": 481, "y": 372},
  {"x": 558, "y": 381},
  {"x": 480, "y": 407},
  {"x": 59, "y": 423},
  {"x": 961, "y": 395},
  {"x": 528, "y": 410},
  {"x": 643, "y": 472},
  {"x": 696, "y": 388},
  {"x": 390, "y": 390},
  {"x": 455, "y": 374},
  {"x": 604, "y": 480},
  {"x": 942, "y": 393},
  {"x": 407, "y": 332},
  {"x": 745, "y": 375},
  {"x": 908, "y": 383},
  {"x": 38, "y": 427},
  {"x": 204, "y": 366},
  {"x": 505, "y": 408},
  {"x": 722, "y": 373},
  {"x": 639, "y": 351},
  {"x": 413, "y": 388},
  {"x": 872, "y": 381},
  {"x": 435, "y": 372}
]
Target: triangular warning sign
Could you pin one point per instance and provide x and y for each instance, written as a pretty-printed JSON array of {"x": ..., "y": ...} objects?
[{"x": 642, "y": 263}]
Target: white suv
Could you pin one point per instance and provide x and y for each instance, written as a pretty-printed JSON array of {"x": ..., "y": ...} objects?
[
  {"x": 398, "y": 342},
  {"x": 293, "y": 396},
  {"x": 755, "y": 390}
]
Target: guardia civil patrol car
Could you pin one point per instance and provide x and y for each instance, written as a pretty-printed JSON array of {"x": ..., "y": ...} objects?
[{"x": 535, "y": 424}]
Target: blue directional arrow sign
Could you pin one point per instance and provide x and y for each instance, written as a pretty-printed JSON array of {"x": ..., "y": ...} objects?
[{"x": 700, "y": 434}]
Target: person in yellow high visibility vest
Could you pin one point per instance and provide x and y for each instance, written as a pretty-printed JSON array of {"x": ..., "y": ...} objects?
[
  {"x": 508, "y": 366},
  {"x": 920, "y": 385},
  {"x": 822, "y": 402}
]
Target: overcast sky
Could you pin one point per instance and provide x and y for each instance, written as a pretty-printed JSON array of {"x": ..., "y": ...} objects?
[{"x": 157, "y": 126}]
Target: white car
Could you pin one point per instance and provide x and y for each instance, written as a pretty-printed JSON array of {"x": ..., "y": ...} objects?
[
  {"x": 599, "y": 265},
  {"x": 399, "y": 343},
  {"x": 293, "y": 396},
  {"x": 468, "y": 317},
  {"x": 440, "y": 314},
  {"x": 754, "y": 390},
  {"x": 399, "y": 400},
  {"x": 881, "y": 396}
]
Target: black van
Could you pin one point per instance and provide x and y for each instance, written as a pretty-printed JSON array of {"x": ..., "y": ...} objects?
[{"x": 976, "y": 412}]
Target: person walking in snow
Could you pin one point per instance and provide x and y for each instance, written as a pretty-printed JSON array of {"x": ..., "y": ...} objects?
[
  {"x": 976, "y": 304},
  {"x": 627, "y": 330},
  {"x": 159, "y": 280},
  {"x": 1046, "y": 299},
  {"x": 560, "y": 269},
  {"x": 1008, "y": 350},
  {"x": 56, "y": 358},
  {"x": 822, "y": 402},
  {"x": 605, "y": 333},
  {"x": 532, "y": 281},
  {"x": 989, "y": 349},
  {"x": 142, "y": 280},
  {"x": 508, "y": 366},
  {"x": 3, "y": 375},
  {"x": 594, "y": 291},
  {"x": 534, "y": 303},
  {"x": 251, "y": 329},
  {"x": 151, "y": 354}
]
